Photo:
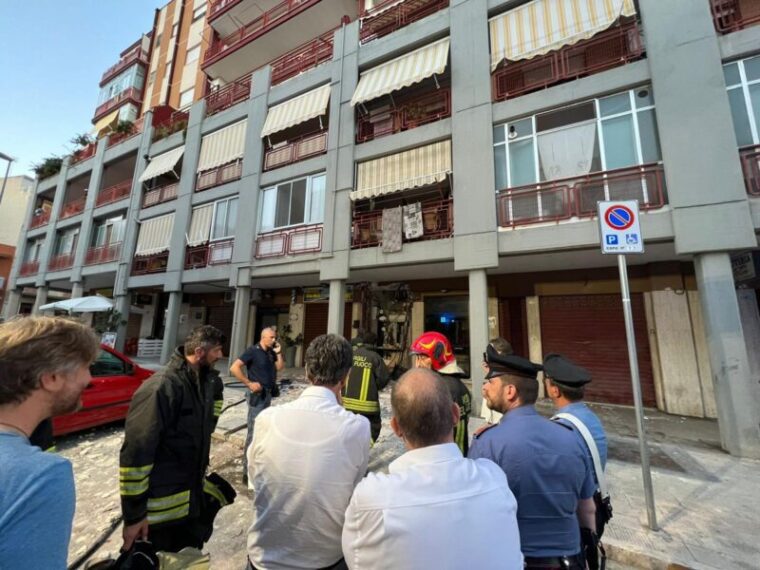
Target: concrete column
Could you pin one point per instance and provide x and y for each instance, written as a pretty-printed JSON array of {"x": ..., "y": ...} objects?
[
  {"x": 47, "y": 247},
  {"x": 40, "y": 299},
  {"x": 77, "y": 290},
  {"x": 735, "y": 392},
  {"x": 172, "y": 324},
  {"x": 240, "y": 320},
  {"x": 121, "y": 304},
  {"x": 478, "y": 309},
  {"x": 535, "y": 350},
  {"x": 337, "y": 306},
  {"x": 748, "y": 312},
  {"x": 12, "y": 303}
]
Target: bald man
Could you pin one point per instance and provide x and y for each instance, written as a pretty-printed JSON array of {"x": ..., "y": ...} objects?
[{"x": 407, "y": 518}]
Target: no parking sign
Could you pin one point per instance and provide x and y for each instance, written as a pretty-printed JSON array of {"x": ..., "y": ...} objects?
[{"x": 619, "y": 227}]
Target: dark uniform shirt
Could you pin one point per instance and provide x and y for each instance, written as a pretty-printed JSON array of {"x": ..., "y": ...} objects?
[
  {"x": 367, "y": 378},
  {"x": 462, "y": 398},
  {"x": 260, "y": 364},
  {"x": 547, "y": 471}
]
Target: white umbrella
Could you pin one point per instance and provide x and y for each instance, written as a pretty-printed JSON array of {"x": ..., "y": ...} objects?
[{"x": 95, "y": 304}]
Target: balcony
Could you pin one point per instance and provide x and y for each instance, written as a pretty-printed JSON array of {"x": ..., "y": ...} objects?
[
  {"x": 160, "y": 195},
  {"x": 229, "y": 95},
  {"x": 60, "y": 262},
  {"x": 389, "y": 16},
  {"x": 136, "y": 55},
  {"x": 437, "y": 223},
  {"x": 39, "y": 220},
  {"x": 218, "y": 176},
  {"x": 295, "y": 150},
  {"x": 84, "y": 153},
  {"x": 292, "y": 241},
  {"x": 113, "y": 193},
  {"x": 132, "y": 95},
  {"x": 146, "y": 264},
  {"x": 102, "y": 254},
  {"x": 117, "y": 138},
  {"x": 303, "y": 58},
  {"x": 750, "y": 157},
  {"x": 733, "y": 15},
  {"x": 29, "y": 268},
  {"x": 213, "y": 253},
  {"x": 218, "y": 7},
  {"x": 73, "y": 208},
  {"x": 612, "y": 48},
  {"x": 408, "y": 113},
  {"x": 174, "y": 122},
  {"x": 577, "y": 197}
]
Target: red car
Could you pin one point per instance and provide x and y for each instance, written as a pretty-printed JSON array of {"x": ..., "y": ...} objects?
[{"x": 115, "y": 378}]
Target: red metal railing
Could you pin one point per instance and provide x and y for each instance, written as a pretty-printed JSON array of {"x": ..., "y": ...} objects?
[
  {"x": 750, "y": 157},
  {"x": 29, "y": 268},
  {"x": 159, "y": 195},
  {"x": 84, "y": 153},
  {"x": 102, "y": 254},
  {"x": 213, "y": 253},
  {"x": 176, "y": 121},
  {"x": 136, "y": 54},
  {"x": 382, "y": 20},
  {"x": 296, "y": 150},
  {"x": 145, "y": 264},
  {"x": 114, "y": 193},
  {"x": 229, "y": 95},
  {"x": 612, "y": 48},
  {"x": 733, "y": 15},
  {"x": 408, "y": 114},
  {"x": 216, "y": 7},
  {"x": 39, "y": 220},
  {"x": 59, "y": 262},
  {"x": 74, "y": 207},
  {"x": 293, "y": 241},
  {"x": 220, "y": 175},
  {"x": 563, "y": 199},
  {"x": 437, "y": 223},
  {"x": 116, "y": 138},
  {"x": 303, "y": 58},
  {"x": 132, "y": 94}
]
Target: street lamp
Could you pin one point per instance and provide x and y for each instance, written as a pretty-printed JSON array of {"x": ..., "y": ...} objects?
[{"x": 7, "y": 172}]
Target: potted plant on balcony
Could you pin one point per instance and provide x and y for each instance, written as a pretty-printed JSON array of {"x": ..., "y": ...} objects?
[
  {"x": 49, "y": 166},
  {"x": 290, "y": 344},
  {"x": 414, "y": 114},
  {"x": 124, "y": 128}
]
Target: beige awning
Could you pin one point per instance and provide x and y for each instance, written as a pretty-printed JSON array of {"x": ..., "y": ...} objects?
[
  {"x": 296, "y": 111},
  {"x": 107, "y": 123},
  {"x": 409, "y": 169},
  {"x": 162, "y": 164},
  {"x": 402, "y": 72},
  {"x": 155, "y": 235},
  {"x": 542, "y": 26},
  {"x": 200, "y": 225},
  {"x": 222, "y": 146}
]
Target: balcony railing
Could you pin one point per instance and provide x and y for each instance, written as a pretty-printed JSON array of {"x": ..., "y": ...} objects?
[
  {"x": 39, "y": 220},
  {"x": 612, "y": 48},
  {"x": 59, "y": 262},
  {"x": 751, "y": 165},
  {"x": 304, "y": 239},
  {"x": 216, "y": 7},
  {"x": 136, "y": 54},
  {"x": 385, "y": 18},
  {"x": 103, "y": 254},
  {"x": 296, "y": 150},
  {"x": 303, "y": 58},
  {"x": 159, "y": 195},
  {"x": 117, "y": 138},
  {"x": 220, "y": 175},
  {"x": 145, "y": 264},
  {"x": 114, "y": 193},
  {"x": 84, "y": 153},
  {"x": 132, "y": 94},
  {"x": 29, "y": 268},
  {"x": 407, "y": 114},
  {"x": 229, "y": 95},
  {"x": 73, "y": 208},
  {"x": 734, "y": 15},
  {"x": 437, "y": 223},
  {"x": 213, "y": 253},
  {"x": 577, "y": 197},
  {"x": 175, "y": 122}
]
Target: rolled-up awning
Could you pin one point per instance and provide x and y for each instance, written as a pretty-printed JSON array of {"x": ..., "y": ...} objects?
[
  {"x": 155, "y": 235},
  {"x": 222, "y": 146},
  {"x": 542, "y": 26},
  {"x": 162, "y": 163},
  {"x": 108, "y": 122},
  {"x": 402, "y": 72},
  {"x": 296, "y": 111},
  {"x": 409, "y": 169},
  {"x": 200, "y": 225}
]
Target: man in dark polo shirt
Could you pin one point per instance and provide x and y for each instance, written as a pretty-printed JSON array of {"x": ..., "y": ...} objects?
[{"x": 257, "y": 368}]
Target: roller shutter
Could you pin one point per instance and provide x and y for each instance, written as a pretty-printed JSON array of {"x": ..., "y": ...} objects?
[
  {"x": 315, "y": 321},
  {"x": 221, "y": 317}
]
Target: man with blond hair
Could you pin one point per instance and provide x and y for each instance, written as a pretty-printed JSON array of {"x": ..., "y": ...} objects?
[{"x": 44, "y": 367}]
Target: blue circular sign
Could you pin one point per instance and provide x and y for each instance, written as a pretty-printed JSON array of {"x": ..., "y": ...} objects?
[{"x": 619, "y": 217}]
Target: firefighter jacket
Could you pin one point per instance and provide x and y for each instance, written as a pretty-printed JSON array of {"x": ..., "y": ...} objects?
[
  {"x": 462, "y": 398},
  {"x": 167, "y": 439},
  {"x": 368, "y": 376}
]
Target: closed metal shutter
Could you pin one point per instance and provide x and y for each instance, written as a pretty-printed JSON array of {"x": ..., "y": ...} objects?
[
  {"x": 590, "y": 330},
  {"x": 315, "y": 321},
  {"x": 222, "y": 317},
  {"x": 512, "y": 324}
]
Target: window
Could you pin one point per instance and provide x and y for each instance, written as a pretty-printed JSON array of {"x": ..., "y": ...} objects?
[
  {"x": 108, "y": 232},
  {"x": 225, "y": 217},
  {"x": 186, "y": 98},
  {"x": 67, "y": 242},
  {"x": 107, "y": 364},
  {"x": 743, "y": 84},
  {"x": 158, "y": 42},
  {"x": 175, "y": 27},
  {"x": 295, "y": 202},
  {"x": 152, "y": 77},
  {"x": 193, "y": 54},
  {"x": 199, "y": 12}
]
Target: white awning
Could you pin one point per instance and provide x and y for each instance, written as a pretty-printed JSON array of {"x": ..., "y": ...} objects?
[
  {"x": 402, "y": 72},
  {"x": 542, "y": 26},
  {"x": 162, "y": 163},
  {"x": 155, "y": 235},
  {"x": 200, "y": 225},
  {"x": 296, "y": 111},
  {"x": 409, "y": 169},
  {"x": 222, "y": 146},
  {"x": 108, "y": 122}
]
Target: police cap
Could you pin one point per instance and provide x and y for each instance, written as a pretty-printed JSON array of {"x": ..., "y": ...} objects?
[
  {"x": 560, "y": 369},
  {"x": 500, "y": 364}
]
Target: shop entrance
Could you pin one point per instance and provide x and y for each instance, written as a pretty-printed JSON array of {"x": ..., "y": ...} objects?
[{"x": 448, "y": 315}]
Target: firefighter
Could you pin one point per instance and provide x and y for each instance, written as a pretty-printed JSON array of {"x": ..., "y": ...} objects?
[
  {"x": 367, "y": 378},
  {"x": 433, "y": 350}
]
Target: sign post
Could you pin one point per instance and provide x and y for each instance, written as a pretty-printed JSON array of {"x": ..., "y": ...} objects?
[{"x": 621, "y": 234}]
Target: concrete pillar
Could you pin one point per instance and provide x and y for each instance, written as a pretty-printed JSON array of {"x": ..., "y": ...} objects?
[
  {"x": 121, "y": 305},
  {"x": 478, "y": 309},
  {"x": 337, "y": 306},
  {"x": 748, "y": 312},
  {"x": 12, "y": 303},
  {"x": 77, "y": 290},
  {"x": 735, "y": 392},
  {"x": 240, "y": 320},
  {"x": 535, "y": 350},
  {"x": 40, "y": 299},
  {"x": 172, "y": 324},
  {"x": 48, "y": 245}
]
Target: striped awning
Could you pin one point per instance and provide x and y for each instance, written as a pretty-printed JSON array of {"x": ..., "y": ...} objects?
[
  {"x": 409, "y": 169},
  {"x": 108, "y": 122},
  {"x": 222, "y": 146},
  {"x": 296, "y": 111},
  {"x": 155, "y": 235},
  {"x": 200, "y": 225},
  {"x": 542, "y": 26},
  {"x": 162, "y": 163},
  {"x": 402, "y": 72}
]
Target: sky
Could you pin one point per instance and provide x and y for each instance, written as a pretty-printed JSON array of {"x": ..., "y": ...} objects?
[{"x": 52, "y": 55}]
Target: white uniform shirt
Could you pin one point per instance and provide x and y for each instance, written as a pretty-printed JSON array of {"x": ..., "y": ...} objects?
[
  {"x": 305, "y": 459},
  {"x": 435, "y": 509}
]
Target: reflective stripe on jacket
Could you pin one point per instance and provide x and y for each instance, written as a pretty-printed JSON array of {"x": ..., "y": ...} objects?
[{"x": 368, "y": 376}]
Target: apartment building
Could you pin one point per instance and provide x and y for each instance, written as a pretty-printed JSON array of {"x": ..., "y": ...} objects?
[
  {"x": 421, "y": 164},
  {"x": 13, "y": 207}
]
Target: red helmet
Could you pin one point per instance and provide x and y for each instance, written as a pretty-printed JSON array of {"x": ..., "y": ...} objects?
[{"x": 436, "y": 346}]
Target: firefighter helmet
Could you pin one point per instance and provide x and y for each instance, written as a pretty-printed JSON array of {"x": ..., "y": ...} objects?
[{"x": 435, "y": 346}]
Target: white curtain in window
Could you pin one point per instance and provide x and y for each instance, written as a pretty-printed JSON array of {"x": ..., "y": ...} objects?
[
  {"x": 268, "y": 209},
  {"x": 567, "y": 152}
]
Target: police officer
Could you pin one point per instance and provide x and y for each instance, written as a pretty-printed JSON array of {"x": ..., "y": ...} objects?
[
  {"x": 546, "y": 466},
  {"x": 367, "y": 378}
]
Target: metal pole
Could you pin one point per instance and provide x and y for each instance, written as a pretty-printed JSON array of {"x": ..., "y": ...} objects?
[{"x": 637, "y": 400}]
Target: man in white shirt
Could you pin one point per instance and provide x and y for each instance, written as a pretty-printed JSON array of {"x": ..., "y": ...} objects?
[
  {"x": 305, "y": 460},
  {"x": 435, "y": 509}
]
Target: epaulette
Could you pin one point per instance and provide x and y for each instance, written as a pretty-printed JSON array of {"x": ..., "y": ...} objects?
[{"x": 482, "y": 429}]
